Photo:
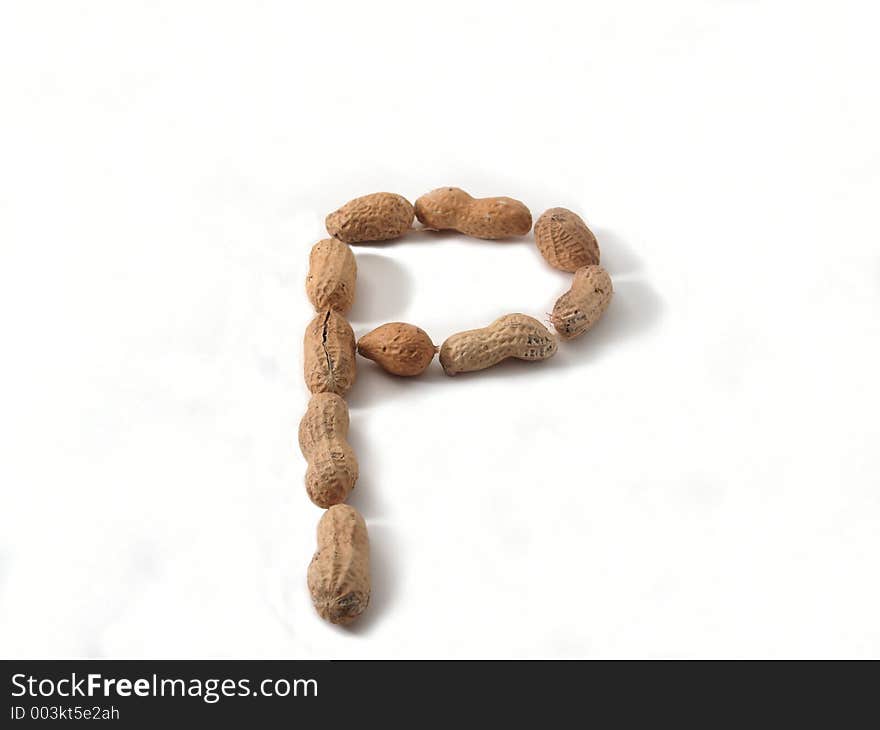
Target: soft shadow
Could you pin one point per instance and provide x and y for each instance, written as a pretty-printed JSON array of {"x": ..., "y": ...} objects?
[
  {"x": 635, "y": 309},
  {"x": 377, "y": 386},
  {"x": 366, "y": 495},
  {"x": 384, "y": 558},
  {"x": 383, "y": 291},
  {"x": 374, "y": 385},
  {"x": 420, "y": 235},
  {"x": 618, "y": 257}
]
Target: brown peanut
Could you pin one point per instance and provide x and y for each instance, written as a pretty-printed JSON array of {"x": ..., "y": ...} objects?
[
  {"x": 580, "y": 307},
  {"x": 513, "y": 335},
  {"x": 399, "y": 348},
  {"x": 374, "y": 217},
  {"x": 491, "y": 218},
  {"x": 339, "y": 574},
  {"x": 333, "y": 468},
  {"x": 329, "y": 357},
  {"x": 565, "y": 241},
  {"x": 332, "y": 276}
]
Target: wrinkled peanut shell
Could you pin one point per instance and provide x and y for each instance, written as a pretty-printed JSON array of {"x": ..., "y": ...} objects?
[
  {"x": 490, "y": 218},
  {"x": 399, "y": 348},
  {"x": 583, "y": 305},
  {"x": 330, "y": 283},
  {"x": 513, "y": 335},
  {"x": 333, "y": 468},
  {"x": 329, "y": 357},
  {"x": 565, "y": 241},
  {"x": 339, "y": 574},
  {"x": 374, "y": 217}
]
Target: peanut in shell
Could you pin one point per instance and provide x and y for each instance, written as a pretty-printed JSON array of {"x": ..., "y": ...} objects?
[
  {"x": 332, "y": 467},
  {"x": 583, "y": 305},
  {"x": 490, "y": 218},
  {"x": 339, "y": 574},
  {"x": 513, "y": 335},
  {"x": 399, "y": 348},
  {"x": 330, "y": 283},
  {"x": 329, "y": 354},
  {"x": 565, "y": 241},
  {"x": 374, "y": 217}
]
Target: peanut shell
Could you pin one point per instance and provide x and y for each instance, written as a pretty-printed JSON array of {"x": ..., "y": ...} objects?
[
  {"x": 399, "y": 348},
  {"x": 565, "y": 241},
  {"x": 490, "y": 218},
  {"x": 333, "y": 468},
  {"x": 581, "y": 307},
  {"x": 330, "y": 283},
  {"x": 339, "y": 574},
  {"x": 329, "y": 357},
  {"x": 513, "y": 335},
  {"x": 374, "y": 217}
]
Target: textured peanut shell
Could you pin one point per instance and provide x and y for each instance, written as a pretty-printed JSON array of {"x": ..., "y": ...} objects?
[
  {"x": 491, "y": 218},
  {"x": 333, "y": 468},
  {"x": 565, "y": 241},
  {"x": 399, "y": 348},
  {"x": 339, "y": 574},
  {"x": 513, "y": 335},
  {"x": 580, "y": 307},
  {"x": 330, "y": 283},
  {"x": 329, "y": 354},
  {"x": 374, "y": 217}
]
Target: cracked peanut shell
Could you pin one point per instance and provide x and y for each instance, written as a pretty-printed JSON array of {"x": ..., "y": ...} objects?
[
  {"x": 330, "y": 283},
  {"x": 329, "y": 354},
  {"x": 583, "y": 305},
  {"x": 339, "y": 574},
  {"x": 332, "y": 467},
  {"x": 489, "y": 218},
  {"x": 513, "y": 335},
  {"x": 399, "y": 348},
  {"x": 564, "y": 240},
  {"x": 374, "y": 217}
]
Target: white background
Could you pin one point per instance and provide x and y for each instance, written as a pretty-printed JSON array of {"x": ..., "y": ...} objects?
[{"x": 697, "y": 477}]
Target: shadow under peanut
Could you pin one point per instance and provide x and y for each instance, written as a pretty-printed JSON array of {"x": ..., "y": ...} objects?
[
  {"x": 384, "y": 289},
  {"x": 635, "y": 310},
  {"x": 374, "y": 386},
  {"x": 366, "y": 497},
  {"x": 618, "y": 257}
]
